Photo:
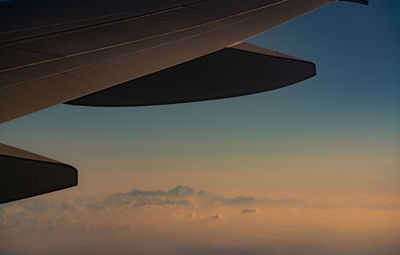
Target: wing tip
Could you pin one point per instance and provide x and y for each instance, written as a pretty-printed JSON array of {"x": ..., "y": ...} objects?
[{"x": 24, "y": 174}]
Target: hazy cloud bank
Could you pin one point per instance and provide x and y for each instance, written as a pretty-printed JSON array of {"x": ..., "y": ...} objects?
[
  {"x": 179, "y": 203},
  {"x": 137, "y": 205},
  {"x": 185, "y": 220}
]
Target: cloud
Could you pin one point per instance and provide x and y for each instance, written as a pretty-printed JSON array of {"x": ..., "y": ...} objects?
[
  {"x": 215, "y": 216},
  {"x": 267, "y": 202},
  {"x": 248, "y": 211},
  {"x": 142, "y": 198},
  {"x": 241, "y": 201},
  {"x": 187, "y": 196},
  {"x": 176, "y": 219},
  {"x": 138, "y": 206},
  {"x": 178, "y": 191},
  {"x": 127, "y": 210},
  {"x": 45, "y": 214}
]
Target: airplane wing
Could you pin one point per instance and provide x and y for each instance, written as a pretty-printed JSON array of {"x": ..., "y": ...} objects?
[
  {"x": 25, "y": 174},
  {"x": 128, "y": 53}
]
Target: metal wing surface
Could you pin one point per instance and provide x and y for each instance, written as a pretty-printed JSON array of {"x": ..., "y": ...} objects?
[{"x": 54, "y": 59}]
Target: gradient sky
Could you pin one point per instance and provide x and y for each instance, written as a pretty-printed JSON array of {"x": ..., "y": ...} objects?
[{"x": 334, "y": 138}]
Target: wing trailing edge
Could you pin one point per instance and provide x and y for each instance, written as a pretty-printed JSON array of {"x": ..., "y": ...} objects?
[
  {"x": 24, "y": 174},
  {"x": 234, "y": 71}
]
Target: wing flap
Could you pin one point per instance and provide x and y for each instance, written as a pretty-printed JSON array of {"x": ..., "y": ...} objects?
[{"x": 239, "y": 70}]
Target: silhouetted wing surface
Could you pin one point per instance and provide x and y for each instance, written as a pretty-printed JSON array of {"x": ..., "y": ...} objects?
[
  {"x": 239, "y": 70},
  {"x": 57, "y": 59},
  {"x": 24, "y": 174}
]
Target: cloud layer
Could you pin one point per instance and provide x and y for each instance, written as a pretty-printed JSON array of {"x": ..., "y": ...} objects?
[{"x": 185, "y": 220}]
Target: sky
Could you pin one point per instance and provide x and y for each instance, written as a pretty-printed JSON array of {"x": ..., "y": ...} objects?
[{"x": 312, "y": 168}]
